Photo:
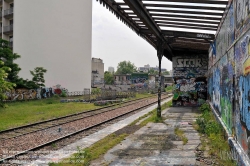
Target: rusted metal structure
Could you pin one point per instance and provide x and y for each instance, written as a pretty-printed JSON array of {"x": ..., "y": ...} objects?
[{"x": 172, "y": 26}]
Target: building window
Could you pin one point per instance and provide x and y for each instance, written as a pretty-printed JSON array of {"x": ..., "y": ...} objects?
[
  {"x": 11, "y": 5},
  {"x": 11, "y": 22}
]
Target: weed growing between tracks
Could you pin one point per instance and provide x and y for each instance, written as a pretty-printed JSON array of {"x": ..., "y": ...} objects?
[{"x": 213, "y": 139}]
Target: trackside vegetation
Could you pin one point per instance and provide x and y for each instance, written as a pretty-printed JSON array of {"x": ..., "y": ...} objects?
[
  {"x": 85, "y": 156},
  {"x": 214, "y": 140},
  {"x": 26, "y": 112}
]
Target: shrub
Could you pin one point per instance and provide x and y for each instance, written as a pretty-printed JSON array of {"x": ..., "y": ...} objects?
[{"x": 63, "y": 94}]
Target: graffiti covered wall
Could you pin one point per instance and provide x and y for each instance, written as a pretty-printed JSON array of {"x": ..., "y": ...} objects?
[
  {"x": 190, "y": 87},
  {"x": 229, "y": 73},
  {"x": 31, "y": 94}
]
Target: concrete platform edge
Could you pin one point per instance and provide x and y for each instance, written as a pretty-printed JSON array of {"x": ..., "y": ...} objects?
[{"x": 59, "y": 155}]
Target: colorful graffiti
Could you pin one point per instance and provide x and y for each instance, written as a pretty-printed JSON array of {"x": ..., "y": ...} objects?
[
  {"x": 190, "y": 92},
  {"x": 31, "y": 94},
  {"x": 229, "y": 73},
  {"x": 187, "y": 67},
  {"x": 190, "y": 87},
  {"x": 242, "y": 16},
  {"x": 137, "y": 78}
]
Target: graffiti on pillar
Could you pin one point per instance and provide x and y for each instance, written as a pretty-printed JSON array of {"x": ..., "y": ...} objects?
[
  {"x": 189, "y": 91},
  {"x": 190, "y": 88},
  {"x": 187, "y": 67}
]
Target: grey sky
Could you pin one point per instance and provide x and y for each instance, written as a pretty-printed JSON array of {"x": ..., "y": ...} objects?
[{"x": 114, "y": 42}]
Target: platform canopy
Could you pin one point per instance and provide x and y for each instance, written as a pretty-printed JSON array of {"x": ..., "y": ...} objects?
[{"x": 175, "y": 24}]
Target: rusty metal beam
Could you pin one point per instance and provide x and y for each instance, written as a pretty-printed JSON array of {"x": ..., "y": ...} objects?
[
  {"x": 140, "y": 11},
  {"x": 144, "y": 17},
  {"x": 188, "y": 34},
  {"x": 188, "y": 24},
  {"x": 185, "y": 7},
  {"x": 191, "y": 40},
  {"x": 186, "y": 27},
  {"x": 202, "y": 17},
  {"x": 194, "y": 1},
  {"x": 114, "y": 7},
  {"x": 185, "y": 11},
  {"x": 185, "y": 20}
]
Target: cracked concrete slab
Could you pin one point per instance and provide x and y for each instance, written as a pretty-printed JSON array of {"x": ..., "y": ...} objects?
[{"x": 156, "y": 143}]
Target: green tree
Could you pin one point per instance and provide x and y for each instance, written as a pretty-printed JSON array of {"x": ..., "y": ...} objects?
[
  {"x": 152, "y": 71},
  {"x": 166, "y": 73},
  {"x": 4, "y": 84},
  {"x": 38, "y": 76},
  {"x": 126, "y": 67},
  {"x": 8, "y": 57},
  {"x": 108, "y": 78}
]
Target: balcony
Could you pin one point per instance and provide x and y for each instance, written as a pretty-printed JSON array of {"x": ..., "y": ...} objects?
[
  {"x": 8, "y": 29},
  {"x": 8, "y": 1},
  {"x": 11, "y": 44},
  {"x": 8, "y": 13}
]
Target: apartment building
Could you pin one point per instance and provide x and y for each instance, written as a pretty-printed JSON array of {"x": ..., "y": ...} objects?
[
  {"x": 97, "y": 77},
  {"x": 6, "y": 18},
  {"x": 54, "y": 34},
  {"x": 147, "y": 67}
]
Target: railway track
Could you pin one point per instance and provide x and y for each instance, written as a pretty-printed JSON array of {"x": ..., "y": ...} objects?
[
  {"x": 34, "y": 127},
  {"x": 14, "y": 141}
]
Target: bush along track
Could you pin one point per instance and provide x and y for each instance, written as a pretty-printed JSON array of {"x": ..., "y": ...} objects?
[{"x": 213, "y": 143}]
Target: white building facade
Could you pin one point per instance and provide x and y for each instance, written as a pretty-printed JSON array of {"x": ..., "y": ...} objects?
[{"x": 54, "y": 34}]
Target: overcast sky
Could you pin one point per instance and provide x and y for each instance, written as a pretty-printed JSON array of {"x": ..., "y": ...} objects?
[{"x": 113, "y": 42}]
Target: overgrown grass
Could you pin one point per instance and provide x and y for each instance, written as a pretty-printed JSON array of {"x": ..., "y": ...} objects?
[
  {"x": 21, "y": 113},
  {"x": 85, "y": 156},
  {"x": 153, "y": 115},
  {"x": 180, "y": 134},
  {"x": 142, "y": 95},
  {"x": 101, "y": 147},
  {"x": 26, "y": 112},
  {"x": 206, "y": 124},
  {"x": 169, "y": 88}
]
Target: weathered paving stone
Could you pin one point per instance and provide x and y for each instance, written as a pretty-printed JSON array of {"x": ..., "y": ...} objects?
[{"x": 156, "y": 143}]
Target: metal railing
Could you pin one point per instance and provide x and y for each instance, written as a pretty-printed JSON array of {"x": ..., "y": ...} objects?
[
  {"x": 8, "y": 28},
  {"x": 8, "y": 11}
]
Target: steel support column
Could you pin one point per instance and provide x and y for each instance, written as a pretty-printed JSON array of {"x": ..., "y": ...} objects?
[{"x": 159, "y": 55}]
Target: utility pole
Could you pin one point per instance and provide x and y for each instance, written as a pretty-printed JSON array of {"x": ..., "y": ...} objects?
[{"x": 159, "y": 55}]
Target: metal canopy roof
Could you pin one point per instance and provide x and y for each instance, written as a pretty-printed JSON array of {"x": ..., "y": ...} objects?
[{"x": 178, "y": 24}]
